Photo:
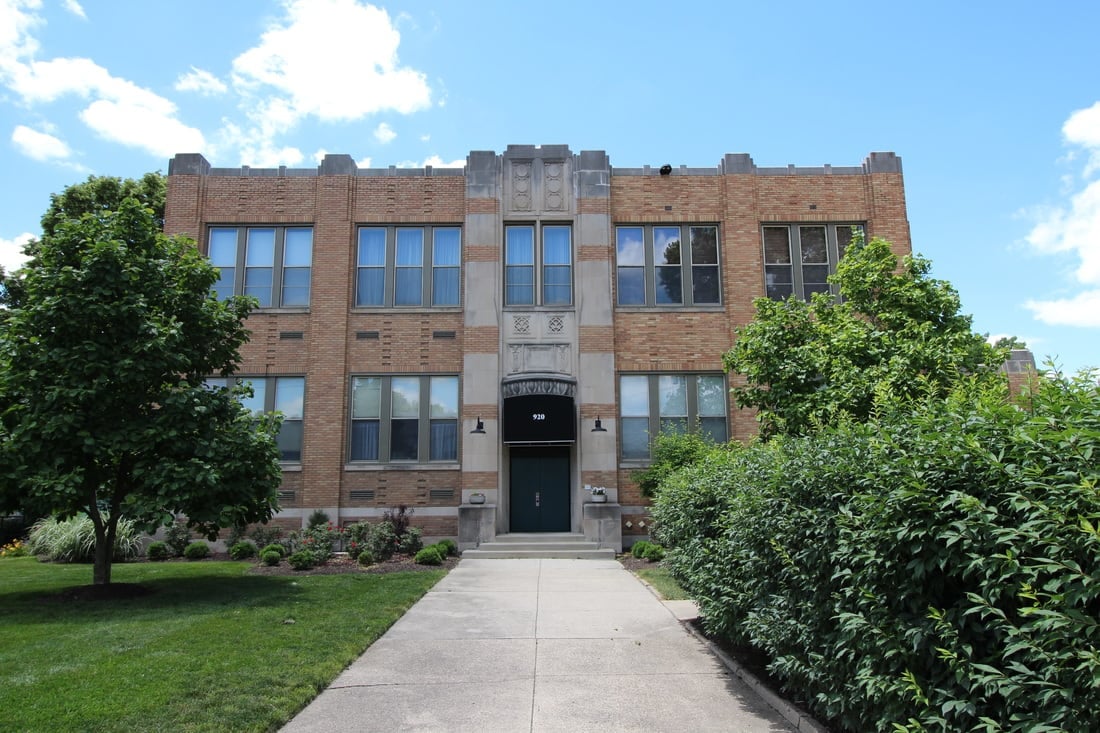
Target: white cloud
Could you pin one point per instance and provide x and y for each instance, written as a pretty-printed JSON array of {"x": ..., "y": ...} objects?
[
  {"x": 74, "y": 7},
  {"x": 363, "y": 163},
  {"x": 1074, "y": 228},
  {"x": 39, "y": 145},
  {"x": 11, "y": 251},
  {"x": 334, "y": 60},
  {"x": 384, "y": 133},
  {"x": 1081, "y": 310},
  {"x": 138, "y": 126},
  {"x": 201, "y": 81},
  {"x": 119, "y": 110},
  {"x": 434, "y": 161}
]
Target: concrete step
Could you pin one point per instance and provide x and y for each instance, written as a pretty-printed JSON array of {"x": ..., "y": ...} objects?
[
  {"x": 506, "y": 554},
  {"x": 540, "y": 537},
  {"x": 559, "y": 545}
]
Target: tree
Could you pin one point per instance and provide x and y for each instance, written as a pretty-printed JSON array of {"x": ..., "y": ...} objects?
[
  {"x": 108, "y": 335},
  {"x": 894, "y": 333},
  {"x": 101, "y": 194}
]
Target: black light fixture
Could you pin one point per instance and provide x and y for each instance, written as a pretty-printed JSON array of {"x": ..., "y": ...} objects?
[
  {"x": 666, "y": 170},
  {"x": 599, "y": 426},
  {"x": 480, "y": 427}
]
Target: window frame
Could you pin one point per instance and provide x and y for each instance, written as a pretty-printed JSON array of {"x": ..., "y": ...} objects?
[
  {"x": 692, "y": 421},
  {"x": 540, "y": 266},
  {"x": 391, "y": 268},
  {"x": 385, "y": 419},
  {"x": 270, "y": 401},
  {"x": 690, "y": 272},
  {"x": 834, "y": 250},
  {"x": 279, "y": 269}
]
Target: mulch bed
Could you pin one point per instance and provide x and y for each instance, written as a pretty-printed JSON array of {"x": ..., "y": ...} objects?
[{"x": 341, "y": 565}]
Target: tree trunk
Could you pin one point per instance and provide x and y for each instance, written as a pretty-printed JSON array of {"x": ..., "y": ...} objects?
[{"x": 101, "y": 575}]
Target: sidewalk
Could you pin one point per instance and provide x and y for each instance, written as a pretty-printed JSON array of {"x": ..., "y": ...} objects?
[{"x": 538, "y": 646}]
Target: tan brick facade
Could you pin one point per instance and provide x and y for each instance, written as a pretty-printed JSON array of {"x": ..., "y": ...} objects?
[{"x": 496, "y": 351}]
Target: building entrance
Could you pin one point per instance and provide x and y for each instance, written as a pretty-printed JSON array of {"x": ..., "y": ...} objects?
[{"x": 539, "y": 489}]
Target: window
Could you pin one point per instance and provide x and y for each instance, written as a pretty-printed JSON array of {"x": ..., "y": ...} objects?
[
  {"x": 276, "y": 394},
  {"x": 798, "y": 259},
  {"x": 531, "y": 267},
  {"x": 651, "y": 403},
  {"x": 271, "y": 264},
  {"x": 654, "y": 268},
  {"x": 404, "y": 418},
  {"x": 408, "y": 266}
]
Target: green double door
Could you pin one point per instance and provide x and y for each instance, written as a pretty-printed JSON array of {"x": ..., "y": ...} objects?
[{"x": 539, "y": 489}]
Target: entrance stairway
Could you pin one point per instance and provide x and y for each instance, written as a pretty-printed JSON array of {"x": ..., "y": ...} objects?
[{"x": 560, "y": 545}]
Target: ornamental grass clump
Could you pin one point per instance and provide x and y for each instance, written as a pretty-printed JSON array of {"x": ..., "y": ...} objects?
[{"x": 73, "y": 540}]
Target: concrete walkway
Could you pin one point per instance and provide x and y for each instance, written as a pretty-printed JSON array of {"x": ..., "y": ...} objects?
[{"x": 534, "y": 646}]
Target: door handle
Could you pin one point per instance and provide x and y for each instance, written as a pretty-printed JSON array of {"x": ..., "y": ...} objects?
[{"x": 538, "y": 497}]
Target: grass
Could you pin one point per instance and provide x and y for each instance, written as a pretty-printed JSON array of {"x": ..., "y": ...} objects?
[
  {"x": 211, "y": 649},
  {"x": 662, "y": 580}
]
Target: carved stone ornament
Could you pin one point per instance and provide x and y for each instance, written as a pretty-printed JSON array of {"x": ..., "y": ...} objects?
[{"x": 538, "y": 385}]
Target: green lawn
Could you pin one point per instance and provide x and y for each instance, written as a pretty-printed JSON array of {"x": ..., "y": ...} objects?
[
  {"x": 662, "y": 580},
  {"x": 212, "y": 649}
]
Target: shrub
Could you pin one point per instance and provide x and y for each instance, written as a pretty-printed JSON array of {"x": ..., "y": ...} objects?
[
  {"x": 357, "y": 537},
  {"x": 450, "y": 547},
  {"x": 197, "y": 550},
  {"x": 301, "y": 560},
  {"x": 242, "y": 550},
  {"x": 275, "y": 547},
  {"x": 265, "y": 536},
  {"x": 271, "y": 558},
  {"x": 398, "y": 518},
  {"x": 933, "y": 569},
  {"x": 410, "y": 543},
  {"x": 15, "y": 548},
  {"x": 321, "y": 540},
  {"x": 639, "y": 548},
  {"x": 671, "y": 452},
  {"x": 73, "y": 540},
  {"x": 383, "y": 541},
  {"x": 318, "y": 518},
  {"x": 157, "y": 551},
  {"x": 431, "y": 555},
  {"x": 366, "y": 557},
  {"x": 178, "y": 537},
  {"x": 235, "y": 535},
  {"x": 654, "y": 553}
]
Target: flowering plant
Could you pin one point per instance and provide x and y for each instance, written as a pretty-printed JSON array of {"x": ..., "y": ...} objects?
[{"x": 599, "y": 491}]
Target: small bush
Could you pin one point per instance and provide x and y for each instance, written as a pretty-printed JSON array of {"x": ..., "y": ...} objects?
[
  {"x": 265, "y": 536},
  {"x": 383, "y": 541},
  {"x": 178, "y": 537},
  {"x": 398, "y": 518},
  {"x": 654, "y": 553},
  {"x": 366, "y": 557},
  {"x": 271, "y": 558},
  {"x": 357, "y": 537},
  {"x": 410, "y": 543},
  {"x": 157, "y": 551},
  {"x": 242, "y": 550},
  {"x": 301, "y": 560},
  {"x": 638, "y": 549},
  {"x": 450, "y": 547},
  {"x": 197, "y": 550},
  {"x": 431, "y": 555},
  {"x": 74, "y": 540},
  {"x": 275, "y": 547},
  {"x": 15, "y": 548},
  {"x": 317, "y": 519}
]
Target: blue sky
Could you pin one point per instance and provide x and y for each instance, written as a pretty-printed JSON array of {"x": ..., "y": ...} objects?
[{"x": 994, "y": 108}]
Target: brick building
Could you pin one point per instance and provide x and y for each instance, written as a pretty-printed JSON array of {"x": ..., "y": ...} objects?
[{"x": 515, "y": 329}]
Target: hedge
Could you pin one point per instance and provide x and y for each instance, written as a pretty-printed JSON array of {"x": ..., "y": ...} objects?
[{"x": 937, "y": 568}]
